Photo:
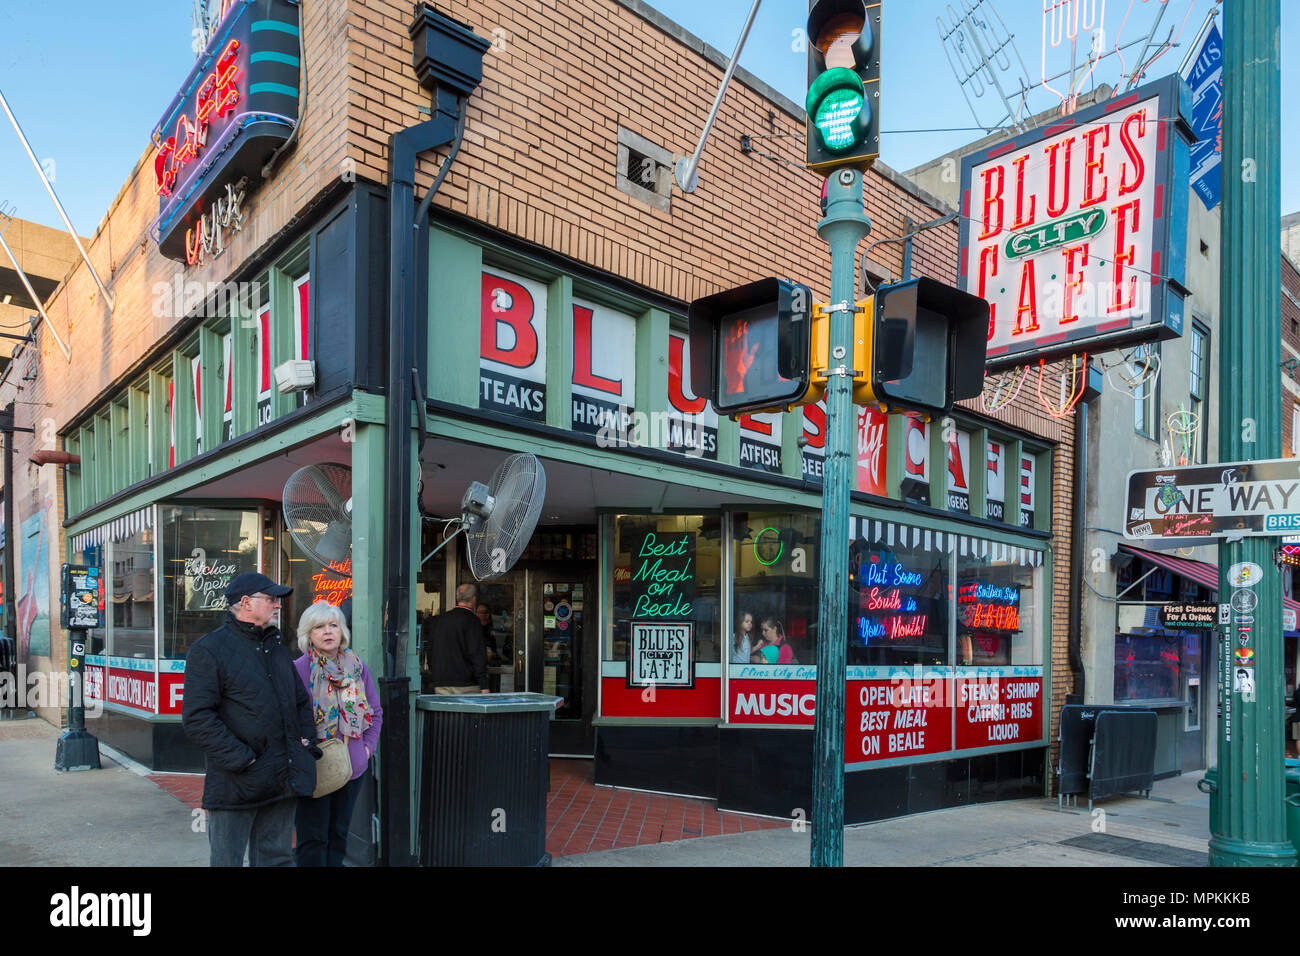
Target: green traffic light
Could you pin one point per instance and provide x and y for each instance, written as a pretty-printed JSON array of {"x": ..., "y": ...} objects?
[{"x": 838, "y": 106}]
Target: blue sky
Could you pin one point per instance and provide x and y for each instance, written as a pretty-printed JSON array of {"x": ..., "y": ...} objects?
[{"x": 88, "y": 87}]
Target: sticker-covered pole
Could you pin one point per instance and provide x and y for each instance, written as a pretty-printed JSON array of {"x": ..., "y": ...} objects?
[
  {"x": 1250, "y": 829},
  {"x": 843, "y": 227}
]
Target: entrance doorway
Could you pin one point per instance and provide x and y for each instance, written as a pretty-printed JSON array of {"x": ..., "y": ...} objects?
[{"x": 542, "y": 616}]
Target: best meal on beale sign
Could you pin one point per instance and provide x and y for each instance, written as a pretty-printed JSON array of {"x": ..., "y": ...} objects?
[{"x": 1075, "y": 232}]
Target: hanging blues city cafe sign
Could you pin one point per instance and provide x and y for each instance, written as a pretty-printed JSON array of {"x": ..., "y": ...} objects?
[
  {"x": 236, "y": 108},
  {"x": 661, "y": 648}
]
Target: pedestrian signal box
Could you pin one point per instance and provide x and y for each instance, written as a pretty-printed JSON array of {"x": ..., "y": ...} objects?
[
  {"x": 927, "y": 346},
  {"x": 749, "y": 346}
]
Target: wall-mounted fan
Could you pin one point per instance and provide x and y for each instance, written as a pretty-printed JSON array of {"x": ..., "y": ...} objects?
[
  {"x": 498, "y": 518},
  {"x": 318, "y": 511}
]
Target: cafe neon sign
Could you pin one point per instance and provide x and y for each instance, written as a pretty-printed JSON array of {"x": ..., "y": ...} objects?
[{"x": 238, "y": 106}]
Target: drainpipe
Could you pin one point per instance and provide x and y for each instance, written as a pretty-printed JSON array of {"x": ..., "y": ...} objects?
[
  {"x": 1078, "y": 678},
  {"x": 448, "y": 60}
]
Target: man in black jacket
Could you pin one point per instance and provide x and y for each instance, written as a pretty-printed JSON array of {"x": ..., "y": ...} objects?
[
  {"x": 246, "y": 709},
  {"x": 455, "y": 649}
]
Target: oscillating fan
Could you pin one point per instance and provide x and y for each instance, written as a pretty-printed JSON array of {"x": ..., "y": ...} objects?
[
  {"x": 318, "y": 511},
  {"x": 498, "y": 518}
]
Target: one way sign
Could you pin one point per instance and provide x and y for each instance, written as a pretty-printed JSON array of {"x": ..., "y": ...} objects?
[{"x": 1239, "y": 498}]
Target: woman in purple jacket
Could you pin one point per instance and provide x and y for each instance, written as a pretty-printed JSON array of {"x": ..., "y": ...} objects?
[{"x": 345, "y": 704}]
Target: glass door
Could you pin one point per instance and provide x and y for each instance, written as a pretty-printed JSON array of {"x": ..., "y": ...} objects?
[
  {"x": 561, "y": 662},
  {"x": 536, "y": 620}
]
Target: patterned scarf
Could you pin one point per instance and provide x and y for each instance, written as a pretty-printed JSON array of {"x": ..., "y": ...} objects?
[{"x": 338, "y": 695}]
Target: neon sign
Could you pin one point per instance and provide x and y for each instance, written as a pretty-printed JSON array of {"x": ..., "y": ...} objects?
[
  {"x": 217, "y": 96},
  {"x": 236, "y": 108},
  {"x": 897, "y": 614},
  {"x": 330, "y": 589},
  {"x": 989, "y": 607}
]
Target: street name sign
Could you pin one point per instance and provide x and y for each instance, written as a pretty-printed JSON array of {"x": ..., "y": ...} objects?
[{"x": 1248, "y": 498}]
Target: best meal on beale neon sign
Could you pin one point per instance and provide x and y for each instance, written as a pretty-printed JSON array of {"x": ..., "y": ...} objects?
[
  {"x": 238, "y": 105},
  {"x": 1075, "y": 232}
]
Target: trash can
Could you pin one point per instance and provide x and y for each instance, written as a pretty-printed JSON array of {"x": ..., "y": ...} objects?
[
  {"x": 1293, "y": 802},
  {"x": 1210, "y": 784},
  {"x": 484, "y": 777}
]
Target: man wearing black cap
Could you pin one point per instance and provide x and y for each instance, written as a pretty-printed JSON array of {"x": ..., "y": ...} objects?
[{"x": 246, "y": 709}]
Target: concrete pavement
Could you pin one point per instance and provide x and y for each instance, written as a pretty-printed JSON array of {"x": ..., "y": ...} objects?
[
  {"x": 107, "y": 817},
  {"x": 1170, "y": 829},
  {"x": 116, "y": 816}
]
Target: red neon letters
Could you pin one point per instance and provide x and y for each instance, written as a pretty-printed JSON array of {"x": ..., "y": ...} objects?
[{"x": 217, "y": 95}]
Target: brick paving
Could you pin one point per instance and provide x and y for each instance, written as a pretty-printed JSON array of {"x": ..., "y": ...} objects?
[{"x": 584, "y": 818}]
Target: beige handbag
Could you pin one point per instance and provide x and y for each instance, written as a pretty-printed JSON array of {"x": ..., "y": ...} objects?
[{"x": 333, "y": 767}]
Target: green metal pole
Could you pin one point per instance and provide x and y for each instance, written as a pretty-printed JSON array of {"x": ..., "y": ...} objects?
[
  {"x": 1251, "y": 828},
  {"x": 843, "y": 227}
]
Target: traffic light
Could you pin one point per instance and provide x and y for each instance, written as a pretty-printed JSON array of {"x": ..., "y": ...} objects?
[
  {"x": 843, "y": 101},
  {"x": 925, "y": 348},
  {"x": 749, "y": 346}
]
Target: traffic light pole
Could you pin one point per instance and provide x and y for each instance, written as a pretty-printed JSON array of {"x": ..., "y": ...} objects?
[
  {"x": 1250, "y": 829},
  {"x": 844, "y": 226}
]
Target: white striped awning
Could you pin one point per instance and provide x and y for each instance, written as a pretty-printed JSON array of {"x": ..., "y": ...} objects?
[
  {"x": 119, "y": 529},
  {"x": 891, "y": 534}
]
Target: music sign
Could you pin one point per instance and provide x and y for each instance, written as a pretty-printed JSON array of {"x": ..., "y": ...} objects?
[
  {"x": 1074, "y": 231},
  {"x": 1256, "y": 498}
]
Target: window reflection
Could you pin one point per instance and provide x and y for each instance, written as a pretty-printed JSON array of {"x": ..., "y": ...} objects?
[
  {"x": 774, "y": 603},
  {"x": 203, "y": 550}
]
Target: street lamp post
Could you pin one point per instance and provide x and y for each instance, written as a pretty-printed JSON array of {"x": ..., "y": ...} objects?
[{"x": 1250, "y": 829}]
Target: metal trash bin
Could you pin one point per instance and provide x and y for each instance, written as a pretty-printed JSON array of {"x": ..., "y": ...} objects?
[
  {"x": 1292, "y": 800},
  {"x": 484, "y": 777},
  {"x": 1210, "y": 784}
]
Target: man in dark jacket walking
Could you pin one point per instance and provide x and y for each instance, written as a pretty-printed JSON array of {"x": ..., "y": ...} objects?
[
  {"x": 246, "y": 709},
  {"x": 455, "y": 648}
]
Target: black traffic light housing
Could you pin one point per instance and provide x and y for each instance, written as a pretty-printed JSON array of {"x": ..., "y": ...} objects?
[
  {"x": 846, "y": 137},
  {"x": 750, "y": 346},
  {"x": 928, "y": 345}
]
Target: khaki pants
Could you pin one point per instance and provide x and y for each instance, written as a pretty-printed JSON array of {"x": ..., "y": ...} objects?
[{"x": 467, "y": 689}]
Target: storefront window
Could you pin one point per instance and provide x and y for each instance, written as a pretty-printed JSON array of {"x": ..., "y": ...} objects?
[
  {"x": 131, "y": 596},
  {"x": 203, "y": 549},
  {"x": 310, "y": 580},
  {"x": 667, "y": 569},
  {"x": 898, "y": 600},
  {"x": 998, "y": 606},
  {"x": 1147, "y": 668},
  {"x": 774, "y": 603}
]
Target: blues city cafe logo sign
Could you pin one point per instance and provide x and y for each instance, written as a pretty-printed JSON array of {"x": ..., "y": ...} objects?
[
  {"x": 238, "y": 105},
  {"x": 1075, "y": 232}
]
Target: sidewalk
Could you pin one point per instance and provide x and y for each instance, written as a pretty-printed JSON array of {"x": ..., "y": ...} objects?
[
  {"x": 120, "y": 816},
  {"x": 1169, "y": 829},
  {"x": 107, "y": 817}
]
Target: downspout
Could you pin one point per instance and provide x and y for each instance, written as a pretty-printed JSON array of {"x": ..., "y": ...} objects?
[
  {"x": 1078, "y": 694},
  {"x": 437, "y": 42}
]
